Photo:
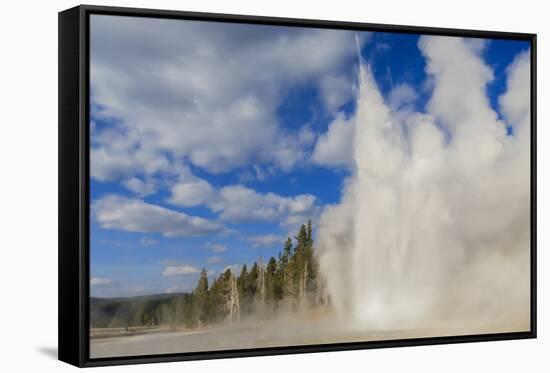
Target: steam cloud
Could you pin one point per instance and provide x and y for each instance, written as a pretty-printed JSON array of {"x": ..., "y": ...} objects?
[{"x": 433, "y": 226}]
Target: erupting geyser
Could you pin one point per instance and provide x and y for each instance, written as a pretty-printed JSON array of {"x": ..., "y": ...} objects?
[{"x": 433, "y": 224}]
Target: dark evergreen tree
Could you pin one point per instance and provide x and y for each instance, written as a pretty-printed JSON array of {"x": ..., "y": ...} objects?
[
  {"x": 309, "y": 234},
  {"x": 201, "y": 297},
  {"x": 274, "y": 290},
  {"x": 287, "y": 250}
]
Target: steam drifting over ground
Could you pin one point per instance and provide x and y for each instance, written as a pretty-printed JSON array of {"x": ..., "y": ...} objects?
[{"x": 432, "y": 229}]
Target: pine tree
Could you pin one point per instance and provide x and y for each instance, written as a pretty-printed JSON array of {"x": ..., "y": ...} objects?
[
  {"x": 242, "y": 280},
  {"x": 296, "y": 268},
  {"x": 311, "y": 278},
  {"x": 247, "y": 285},
  {"x": 302, "y": 239},
  {"x": 218, "y": 296},
  {"x": 287, "y": 250},
  {"x": 272, "y": 284},
  {"x": 201, "y": 297},
  {"x": 284, "y": 266},
  {"x": 252, "y": 283},
  {"x": 309, "y": 231}
]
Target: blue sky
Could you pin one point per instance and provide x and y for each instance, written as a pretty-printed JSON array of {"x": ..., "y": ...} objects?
[{"x": 211, "y": 143}]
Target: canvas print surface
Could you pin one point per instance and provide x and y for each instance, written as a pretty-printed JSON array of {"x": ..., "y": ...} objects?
[{"x": 266, "y": 186}]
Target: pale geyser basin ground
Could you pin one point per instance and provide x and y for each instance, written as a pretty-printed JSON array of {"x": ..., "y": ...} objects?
[{"x": 296, "y": 331}]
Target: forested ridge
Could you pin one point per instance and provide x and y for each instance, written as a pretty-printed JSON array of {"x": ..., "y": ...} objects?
[{"x": 289, "y": 282}]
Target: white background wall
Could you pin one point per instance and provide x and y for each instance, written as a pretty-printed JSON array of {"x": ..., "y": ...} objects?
[{"x": 28, "y": 185}]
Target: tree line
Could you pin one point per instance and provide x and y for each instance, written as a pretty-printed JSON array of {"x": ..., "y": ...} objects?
[{"x": 287, "y": 282}]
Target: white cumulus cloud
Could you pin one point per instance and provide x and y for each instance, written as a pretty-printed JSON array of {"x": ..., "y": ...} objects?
[
  {"x": 335, "y": 91},
  {"x": 140, "y": 187},
  {"x": 335, "y": 147},
  {"x": 201, "y": 92},
  {"x": 135, "y": 215},
  {"x": 239, "y": 203},
  {"x": 191, "y": 193}
]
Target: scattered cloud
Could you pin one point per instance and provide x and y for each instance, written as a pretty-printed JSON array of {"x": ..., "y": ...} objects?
[
  {"x": 335, "y": 91},
  {"x": 180, "y": 270},
  {"x": 265, "y": 240},
  {"x": 216, "y": 247},
  {"x": 140, "y": 187},
  {"x": 117, "y": 243},
  {"x": 99, "y": 281},
  {"x": 335, "y": 147},
  {"x": 134, "y": 215},
  {"x": 191, "y": 193},
  {"x": 114, "y": 156},
  {"x": 147, "y": 241},
  {"x": 175, "y": 100},
  {"x": 215, "y": 260},
  {"x": 306, "y": 136},
  {"x": 239, "y": 203},
  {"x": 256, "y": 173}
]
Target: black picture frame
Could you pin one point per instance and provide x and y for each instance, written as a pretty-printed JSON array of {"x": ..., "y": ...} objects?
[{"x": 74, "y": 171}]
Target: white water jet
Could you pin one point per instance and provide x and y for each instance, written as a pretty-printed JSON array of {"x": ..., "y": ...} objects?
[{"x": 433, "y": 225}]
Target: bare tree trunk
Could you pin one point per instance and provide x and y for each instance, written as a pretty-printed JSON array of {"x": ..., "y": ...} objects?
[
  {"x": 303, "y": 283},
  {"x": 234, "y": 306},
  {"x": 261, "y": 286}
]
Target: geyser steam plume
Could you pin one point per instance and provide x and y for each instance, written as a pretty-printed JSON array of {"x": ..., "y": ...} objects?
[{"x": 432, "y": 229}]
